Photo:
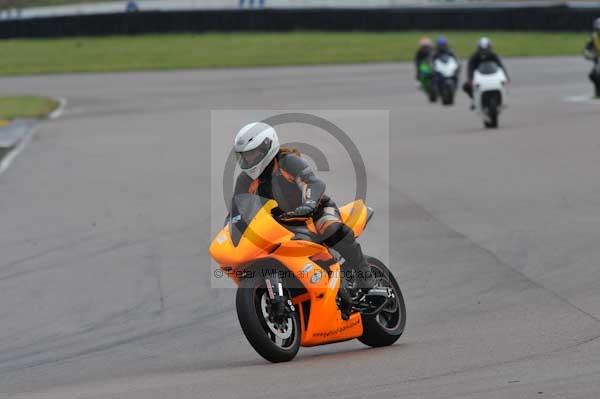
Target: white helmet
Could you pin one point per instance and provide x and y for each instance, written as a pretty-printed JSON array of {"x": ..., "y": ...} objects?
[
  {"x": 597, "y": 25},
  {"x": 484, "y": 43},
  {"x": 255, "y": 145}
]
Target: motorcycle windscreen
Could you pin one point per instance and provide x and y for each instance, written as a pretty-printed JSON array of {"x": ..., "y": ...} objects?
[
  {"x": 488, "y": 68},
  {"x": 445, "y": 58},
  {"x": 244, "y": 208}
]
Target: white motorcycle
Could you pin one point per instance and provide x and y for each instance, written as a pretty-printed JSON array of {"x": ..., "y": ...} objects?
[
  {"x": 489, "y": 92},
  {"x": 446, "y": 70},
  {"x": 595, "y": 73},
  {"x": 596, "y": 77}
]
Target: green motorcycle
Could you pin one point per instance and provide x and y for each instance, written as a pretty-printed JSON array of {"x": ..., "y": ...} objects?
[{"x": 426, "y": 80}]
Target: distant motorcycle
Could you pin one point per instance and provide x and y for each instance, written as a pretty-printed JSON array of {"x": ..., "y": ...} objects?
[
  {"x": 446, "y": 70},
  {"x": 595, "y": 73},
  {"x": 426, "y": 81},
  {"x": 596, "y": 77},
  {"x": 489, "y": 92}
]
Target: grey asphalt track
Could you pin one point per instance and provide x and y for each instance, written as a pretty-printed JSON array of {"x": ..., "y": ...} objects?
[{"x": 104, "y": 282}]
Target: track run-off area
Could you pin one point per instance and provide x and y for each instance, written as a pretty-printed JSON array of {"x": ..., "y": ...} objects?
[{"x": 105, "y": 285}]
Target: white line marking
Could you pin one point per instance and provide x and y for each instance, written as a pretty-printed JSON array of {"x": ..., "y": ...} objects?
[
  {"x": 12, "y": 155},
  {"x": 587, "y": 99},
  {"x": 62, "y": 103}
]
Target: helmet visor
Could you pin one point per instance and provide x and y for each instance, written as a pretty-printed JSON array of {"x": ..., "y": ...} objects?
[{"x": 248, "y": 159}]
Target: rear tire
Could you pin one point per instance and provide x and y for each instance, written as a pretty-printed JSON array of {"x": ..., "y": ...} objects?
[
  {"x": 597, "y": 86},
  {"x": 255, "y": 327},
  {"x": 384, "y": 328}
]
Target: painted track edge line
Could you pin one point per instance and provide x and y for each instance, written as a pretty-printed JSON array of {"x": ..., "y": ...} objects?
[
  {"x": 62, "y": 104},
  {"x": 12, "y": 155}
]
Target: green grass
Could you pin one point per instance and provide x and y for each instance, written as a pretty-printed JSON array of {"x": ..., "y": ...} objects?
[
  {"x": 26, "y": 107},
  {"x": 181, "y": 51}
]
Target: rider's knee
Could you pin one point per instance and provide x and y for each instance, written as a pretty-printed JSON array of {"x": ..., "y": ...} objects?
[{"x": 338, "y": 233}]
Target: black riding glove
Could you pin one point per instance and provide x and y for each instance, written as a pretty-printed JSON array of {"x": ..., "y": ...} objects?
[{"x": 304, "y": 210}]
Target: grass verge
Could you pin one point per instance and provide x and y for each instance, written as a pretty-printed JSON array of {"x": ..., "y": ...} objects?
[
  {"x": 184, "y": 51},
  {"x": 14, "y": 107}
]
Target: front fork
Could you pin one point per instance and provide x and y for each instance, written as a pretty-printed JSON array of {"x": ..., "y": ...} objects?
[{"x": 280, "y": 306}]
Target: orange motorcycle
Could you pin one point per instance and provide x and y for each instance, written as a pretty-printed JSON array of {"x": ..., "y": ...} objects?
[{"x": 292, "y": 291}]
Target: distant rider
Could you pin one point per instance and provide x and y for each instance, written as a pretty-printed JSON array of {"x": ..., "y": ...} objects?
[
  {"x": 424, "y": 54},
  {"x": 592, "y": 48},
  {"x": 484, "y": 53},
  {"x": 442, "y": 48}
]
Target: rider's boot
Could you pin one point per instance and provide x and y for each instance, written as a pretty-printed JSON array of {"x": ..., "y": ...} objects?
[
  {"x": 345, "y": 302},
  {"x": 342, "y": 239},
  {"x": 363, "y": 275}
]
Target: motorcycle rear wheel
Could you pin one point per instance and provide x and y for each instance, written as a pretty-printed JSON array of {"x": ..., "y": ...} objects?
[
  {"x": 275, "y": 343},
  {"x": 384, "y": 328}
]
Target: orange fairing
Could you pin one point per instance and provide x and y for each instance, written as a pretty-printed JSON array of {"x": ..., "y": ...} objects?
[
  {"x": 265, "y": 238},
  {"x": 355, "y": 215},
  {"x": 261, "y": 236},
  {"x": 325, "y": 323}
]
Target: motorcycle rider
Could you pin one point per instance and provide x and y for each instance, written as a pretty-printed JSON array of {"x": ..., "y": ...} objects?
[
  {"x": 423, "y": 54},
  {"x": 442, "y": 48},
  {"x": 592, "y": 49},
  {"x": 283, "y": 175},
  {"x": 484, "y": 53}
]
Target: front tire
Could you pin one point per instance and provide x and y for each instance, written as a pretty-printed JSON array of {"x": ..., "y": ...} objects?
[
  {"x": 448, "y": 98},
  {"x": 448, "y": 94},
  {"x": 432, "y": 95},
  {"x": 272, "y": 343},
  {"x": 493, "y": 116},
  {"x": 384, "y": 328}
]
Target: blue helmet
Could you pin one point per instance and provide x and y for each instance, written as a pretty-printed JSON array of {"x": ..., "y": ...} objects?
[{"x": 441, "y": 42}]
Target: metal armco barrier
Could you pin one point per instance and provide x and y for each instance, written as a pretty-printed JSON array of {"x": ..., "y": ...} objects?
[{"x": 557, "y": 18}]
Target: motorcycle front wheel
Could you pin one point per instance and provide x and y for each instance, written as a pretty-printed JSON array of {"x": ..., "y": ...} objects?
[
  {"x": 432, "y": 95},
  {"x": 385, "y": 327},
  {"x": 276, "y": 340},
  {"x": 492, "y": 115}
]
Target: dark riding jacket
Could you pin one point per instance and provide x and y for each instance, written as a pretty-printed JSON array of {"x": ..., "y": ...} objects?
[{"x": 289, "y": 180}]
